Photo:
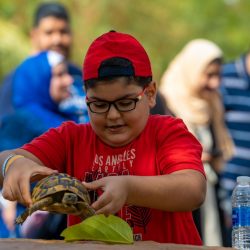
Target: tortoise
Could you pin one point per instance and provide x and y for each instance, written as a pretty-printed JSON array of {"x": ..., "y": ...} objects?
[{"x": 59, "y": 193}]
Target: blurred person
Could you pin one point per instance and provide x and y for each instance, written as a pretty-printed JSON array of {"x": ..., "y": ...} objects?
[
  {"x": 190, "y": 85},
  {"x": 41, "y": 84},
  {"x": 51, "y": 31},
  {"x": 235, "y": 91}
]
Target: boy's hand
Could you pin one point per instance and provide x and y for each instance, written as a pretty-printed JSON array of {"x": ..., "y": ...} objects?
[
  {"x": 16, "y": 184},
  {"x": 114, "y": 196}
]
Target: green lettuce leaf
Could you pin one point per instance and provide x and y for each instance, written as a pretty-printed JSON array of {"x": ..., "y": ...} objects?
[{"x": 111, "y": 229}]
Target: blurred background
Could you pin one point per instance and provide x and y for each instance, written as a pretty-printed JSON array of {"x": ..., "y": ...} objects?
[{"x": 162, "y": 26}]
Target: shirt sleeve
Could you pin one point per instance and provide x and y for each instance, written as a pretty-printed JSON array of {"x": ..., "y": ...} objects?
[
  {"x": 178, "y": 149},
  {"x": 51, "y": 147}
]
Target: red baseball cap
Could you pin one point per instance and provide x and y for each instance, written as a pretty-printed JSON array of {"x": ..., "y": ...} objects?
[{"x": 116, "y": 45}]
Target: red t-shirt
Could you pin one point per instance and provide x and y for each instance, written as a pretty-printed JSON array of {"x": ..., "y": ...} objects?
[{"x": 164, "y": 146}]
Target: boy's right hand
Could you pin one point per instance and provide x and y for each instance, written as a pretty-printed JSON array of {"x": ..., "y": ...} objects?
[{"x": 16, "y": 184}]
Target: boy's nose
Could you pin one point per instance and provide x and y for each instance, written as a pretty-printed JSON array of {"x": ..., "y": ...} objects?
[{"x": 113, "y": 113}]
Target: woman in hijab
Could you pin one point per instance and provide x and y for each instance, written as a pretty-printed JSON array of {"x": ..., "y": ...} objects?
[{"x": 190, "y": 86}]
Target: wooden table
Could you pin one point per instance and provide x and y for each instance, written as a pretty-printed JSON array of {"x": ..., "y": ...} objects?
[{"x": 29, "y": 244}]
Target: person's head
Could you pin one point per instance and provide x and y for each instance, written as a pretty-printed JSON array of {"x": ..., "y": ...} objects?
[
  {"x": 190, "y": 82},
  {"x": 60, "y": 82},
  {"x": 200, "y": 61},
  {"x": 119, "y": 87},
  {"x": 51, "y": 29},
  {"x": 210, "y": 77},
  {"x": 43, "y": 80}
]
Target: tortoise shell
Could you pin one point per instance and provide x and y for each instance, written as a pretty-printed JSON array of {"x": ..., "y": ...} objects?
[
  {"x": 59, "y": 193},
  {"x": 55, "y": 183}
]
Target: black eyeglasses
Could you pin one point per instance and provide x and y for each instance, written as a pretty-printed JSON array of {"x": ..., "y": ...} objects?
[{"x": 122, "y": 105}]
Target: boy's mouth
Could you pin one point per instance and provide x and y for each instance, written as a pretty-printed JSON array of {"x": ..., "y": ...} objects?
[{"x": 114, "y": 128}]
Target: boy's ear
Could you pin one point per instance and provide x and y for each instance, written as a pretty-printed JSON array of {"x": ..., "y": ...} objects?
[{"x": 151, "y": 94}]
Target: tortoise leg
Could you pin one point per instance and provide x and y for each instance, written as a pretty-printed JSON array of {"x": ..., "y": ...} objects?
[
  {"x": 22, "y": 217},
  {"x": 37, "y": 206},
  {"x": 85, "y": 210}
]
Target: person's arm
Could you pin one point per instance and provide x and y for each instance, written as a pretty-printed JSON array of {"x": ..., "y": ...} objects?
[
  {"x": 182, "y": 190},
  {"x": 19, "y": 174}
]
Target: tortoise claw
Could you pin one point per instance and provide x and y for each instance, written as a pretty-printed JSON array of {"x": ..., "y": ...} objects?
[{"x": 19, "y": 220}]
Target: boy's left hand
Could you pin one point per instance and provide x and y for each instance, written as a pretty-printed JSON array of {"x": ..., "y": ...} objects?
[{"x": 114, "y": 196}]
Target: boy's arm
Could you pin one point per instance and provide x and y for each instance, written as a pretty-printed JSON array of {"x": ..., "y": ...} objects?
[
  {"x": 19, "y": 174},
  {"x": 183, "y": 190}
]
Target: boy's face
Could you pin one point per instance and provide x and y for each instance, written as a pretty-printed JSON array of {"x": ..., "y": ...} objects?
[{"x": 117, "y": 128}]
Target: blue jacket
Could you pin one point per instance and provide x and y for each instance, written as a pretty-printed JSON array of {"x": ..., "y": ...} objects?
[{"x": 31, "y": 110}]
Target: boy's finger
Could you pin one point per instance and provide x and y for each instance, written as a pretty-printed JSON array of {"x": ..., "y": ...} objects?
[
  {"x": 45, "y": 171},
  {"x": 101, "y": 202},
  {"x": 106, "y": 210},
  {"x": 24, "y": 193},
  {"x": 92, "y": 185},
  {"x": 42, "y": 172},
  {"x": 8, "y": 194}
]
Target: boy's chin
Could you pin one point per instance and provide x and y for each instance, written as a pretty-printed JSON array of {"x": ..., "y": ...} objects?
[{"x": 117, "y": 142}]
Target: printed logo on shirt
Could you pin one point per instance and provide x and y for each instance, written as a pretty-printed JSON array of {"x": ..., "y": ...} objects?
[
  {"x": 136, "y": 216},
  {"x": 118, "y": 163}
]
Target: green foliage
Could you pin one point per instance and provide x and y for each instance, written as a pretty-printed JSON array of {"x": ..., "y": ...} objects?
[
  {"x": 111, "y": 229},
  {"x": 162, "y": 26},
  {"x": 13, "y": 46}
]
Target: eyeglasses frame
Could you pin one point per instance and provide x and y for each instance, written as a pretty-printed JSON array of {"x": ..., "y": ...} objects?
[{"x": 136, "y": 99}]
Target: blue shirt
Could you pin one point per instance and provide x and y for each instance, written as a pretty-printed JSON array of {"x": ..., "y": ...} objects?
[{"x": 235, "y": 89}]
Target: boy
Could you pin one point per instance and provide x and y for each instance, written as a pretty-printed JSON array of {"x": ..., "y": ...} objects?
[{"x": 147, "y": 169}]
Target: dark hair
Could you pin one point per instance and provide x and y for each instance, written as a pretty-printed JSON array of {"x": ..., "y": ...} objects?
[
  {"x": 53, "y": 9},
  {"x": 114, "y": 68},
  {"x": 218, "y": 60}
]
